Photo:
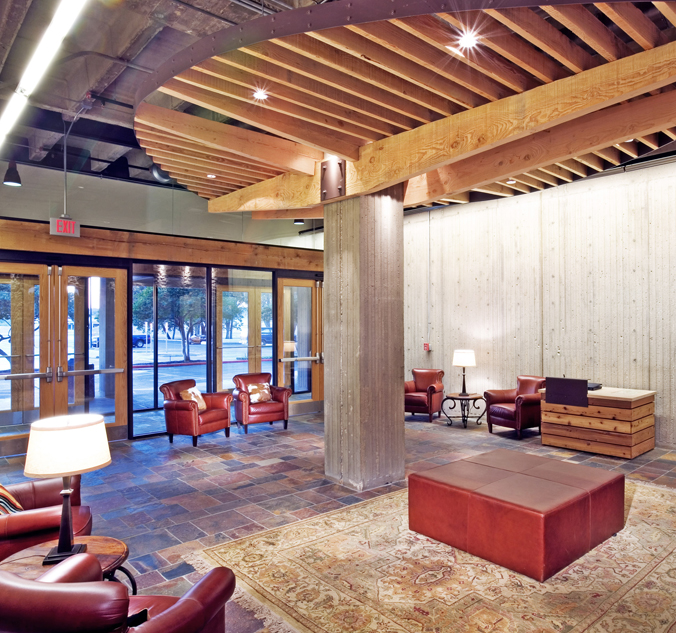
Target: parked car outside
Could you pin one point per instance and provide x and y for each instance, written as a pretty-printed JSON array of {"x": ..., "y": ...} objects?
[
  {"x": 266, "y": 336},
  {"x": 137, "y": 340}
]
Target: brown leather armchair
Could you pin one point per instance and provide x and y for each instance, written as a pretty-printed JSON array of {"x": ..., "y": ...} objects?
[
  {"x": 515, "y": 408},
  {"x": 247, "y": 412},
  {"x": 73, "y": 598},
  {"x": 425, "y": 393},
  {"x": 183, "y": 417},
  {"x": 41, "y": 517}
]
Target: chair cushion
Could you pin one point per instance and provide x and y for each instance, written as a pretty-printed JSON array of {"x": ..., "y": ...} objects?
[
  {"x": 259, "y": 392},
  {"x": 266, "y": 407},
  {"x": 504, "y": 410},
  {"x": 213, "y": 415},
  {"x": 416, "y": 398},
  {"x": 8, "y": 504},
  {"x": 195, "y": 395}
]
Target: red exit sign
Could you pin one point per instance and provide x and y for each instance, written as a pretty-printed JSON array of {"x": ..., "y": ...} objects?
[{"x": 64, "y": 226}]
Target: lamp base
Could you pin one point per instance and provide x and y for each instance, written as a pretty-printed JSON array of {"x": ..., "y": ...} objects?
[{"x": 55, "y": 556}]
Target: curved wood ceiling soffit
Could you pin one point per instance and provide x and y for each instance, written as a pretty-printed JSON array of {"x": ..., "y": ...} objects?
[{"x": 551, "y": 93}]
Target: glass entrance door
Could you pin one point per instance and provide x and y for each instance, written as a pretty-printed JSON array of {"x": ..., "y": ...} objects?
[
  {"x": 300, "y": 339},
  {"x": 62, "y": 344}
]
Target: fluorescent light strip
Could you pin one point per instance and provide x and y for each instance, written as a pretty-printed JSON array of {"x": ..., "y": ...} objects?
[{"x": 66, "y": 14}]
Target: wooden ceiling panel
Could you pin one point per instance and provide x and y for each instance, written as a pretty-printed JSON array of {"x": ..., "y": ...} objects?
[{"x": 634, "y": 23}]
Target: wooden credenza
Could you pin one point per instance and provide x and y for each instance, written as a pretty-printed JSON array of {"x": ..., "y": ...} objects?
[{"x": 617, "y": 422}]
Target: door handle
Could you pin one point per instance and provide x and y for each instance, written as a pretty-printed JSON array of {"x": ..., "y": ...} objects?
[
  {"x": 300, "y": 358},
  {"x": 38, "y": 374},
  {"x": 60, "y": 374}
]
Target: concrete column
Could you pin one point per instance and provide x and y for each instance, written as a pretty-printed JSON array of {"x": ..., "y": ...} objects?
[{"x": 364, "y": 340}]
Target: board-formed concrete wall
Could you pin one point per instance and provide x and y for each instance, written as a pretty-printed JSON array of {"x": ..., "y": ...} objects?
[{"x": 575, "y": 281}]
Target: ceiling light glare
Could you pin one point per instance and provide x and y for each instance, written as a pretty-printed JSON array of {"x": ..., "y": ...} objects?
[
  {"x": 66, "y": 14},
  {"x": 260, "y": 94},
  {"x": 455, "y": 51},
  {"x": 299, "y": 221},
  {"x": 511, "y": 181},
  {"x": 211, "y": 176},
  {"x": 468, "y": 40},
  {"x": 629, "y": 140}
]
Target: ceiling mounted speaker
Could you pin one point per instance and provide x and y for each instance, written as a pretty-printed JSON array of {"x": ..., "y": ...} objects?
[{"x": 160, "y": 175}]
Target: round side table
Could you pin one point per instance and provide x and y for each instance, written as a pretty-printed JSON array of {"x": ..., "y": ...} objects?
[
  {"x": 110, "y": 552},
  {"x": 468, "y": 404}
]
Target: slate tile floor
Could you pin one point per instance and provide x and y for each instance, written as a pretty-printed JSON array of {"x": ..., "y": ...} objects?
[{"x": 167, "y": 500}]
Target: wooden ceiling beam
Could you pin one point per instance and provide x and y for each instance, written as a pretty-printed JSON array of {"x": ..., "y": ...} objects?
[
  {"x": 517, "y": 186},
  {"x": 413, "y": 48},
  {"x": 331, "y": 57},
  {"x": 221, "y": 180},
  {"x": 274, "y": 103},
  {"x": 668, "y": 10},
  {"x": 495, "y": 189},
  {"x": 434, "y": 31},
  {"x": 529, "y": 181},
  {"x": 284, "y": 75},
  {"x": 204, "y": 159},
  {"x": 273, "y": 53},
  {"x": 387, "y": 59},
  {"x": 457, "y": 198},
  {"x": 543, "y": 177},
  {"x": 185, "y": 162},
  {"x": 630, "y": 148},
  {"x": 253, "y": 81},
  {"x": 592, "y": 161},
  {"x": 590, "y": 133},
  {"x": 281, "y": 153},
  {"x": 589, "y": 28},
  {"x": 526, "y": 23},
  {"x": 504, "y": 42},
  {"x": 315, "y": 213},
  {"x": 573, "y": 166},
  {"x": 651, "y": 140},
  {"x": 189, "y": 181},
  {"x": 558, "y": 172},
  {"x": 282, "y": 125},
  {"x": 671, "y": 133},
  {"x": 479, "y": 130},
  {"x": 610, "y": 154},
  {"x": 634, "y": 23}
]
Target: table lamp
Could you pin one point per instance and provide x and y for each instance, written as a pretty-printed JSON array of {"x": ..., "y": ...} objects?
[
  {"x": 61, "y": 447},
  {"x": 463, "y": 358}
]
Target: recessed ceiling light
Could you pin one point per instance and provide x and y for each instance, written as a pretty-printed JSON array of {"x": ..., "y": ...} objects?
[
  {"x": 511, "y": 181},
  {"x": 260, "y": 94},
  {"x": 299, "y": 221},
  {"x": 629, "y": 140},
  {"x": 211, "y": 176},
  {"x": 468, "y": 40}
]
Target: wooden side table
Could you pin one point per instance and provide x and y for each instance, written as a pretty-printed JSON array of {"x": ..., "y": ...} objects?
[
  {"x": 468, "y": 404},
  {"x": 110, "y": 552}
]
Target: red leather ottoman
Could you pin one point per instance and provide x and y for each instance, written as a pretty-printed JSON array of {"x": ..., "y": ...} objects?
[{"x": 531, "y": 514}]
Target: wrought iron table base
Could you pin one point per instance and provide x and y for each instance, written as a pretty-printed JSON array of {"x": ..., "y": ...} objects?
[{"x": 467, "y": 405}]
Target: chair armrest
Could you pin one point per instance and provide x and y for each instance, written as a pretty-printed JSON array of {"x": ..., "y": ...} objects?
[
  {"x": 78, "y": 568},
  {"x": 499, "y": 395},
  {"x": 435, "y": 388},
  {"x": 220, "y": 400},
  {"x": 280, "y": 394},
  {"x": 528, "y": 399},
  {"x": 42, "y": 493},
  {"x": 194, "y": 610},
  {"x": 180, "y": 405},
  {"x": 409, "y": 386},
  {"x": 29, "y": 521},
  {"x": 241, "y": 395}
]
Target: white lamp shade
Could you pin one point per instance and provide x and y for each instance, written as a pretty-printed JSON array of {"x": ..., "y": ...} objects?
[
  {"x": 464, "y": 358},
  {"x": 67, "y": 445}
]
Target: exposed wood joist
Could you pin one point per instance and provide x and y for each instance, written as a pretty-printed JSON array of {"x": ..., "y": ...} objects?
[
  {"x": 286, "y": 155},
  {"x": 495, "y": 189},
  {"x": 441, "y": 35},
  {"x": 284, "y": 75},
  {"x": 609, "y": 154},
  {"x": 668, "y": 10},
  {"x": 503, "y": 41},
  {"x": 589, "y": 133},
  {"x": 573, "y": 166},
  {"x": 587, "y": 26},
  {"x": 544, "y": 35},
  {"x": 442, "y": 142},
  {"x": 311, "y": 135},
  {"x": 187, "y": 166},
  {"x": 634, "y": 23},
  {"x": 280, "y": 90}
]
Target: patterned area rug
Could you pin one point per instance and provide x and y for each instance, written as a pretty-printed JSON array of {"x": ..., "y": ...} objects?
[{"x": 362, "y": 569}]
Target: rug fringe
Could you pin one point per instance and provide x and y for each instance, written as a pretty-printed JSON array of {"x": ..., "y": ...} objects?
[{"x": 272, "y": 623}]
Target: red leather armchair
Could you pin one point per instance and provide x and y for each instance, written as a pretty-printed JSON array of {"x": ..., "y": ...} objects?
[
  {"x": 425, "y": 393},
  {"x": 73, "y": 598},
  {"x": 183, "y": 417},
  {"x": 41, "y": 517},
  {"x": 515, "y": 408},
  {"x": 247, "y": 412}
]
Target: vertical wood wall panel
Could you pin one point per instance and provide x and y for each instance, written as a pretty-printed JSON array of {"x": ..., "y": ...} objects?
[{"x": 576, "y": 280}]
